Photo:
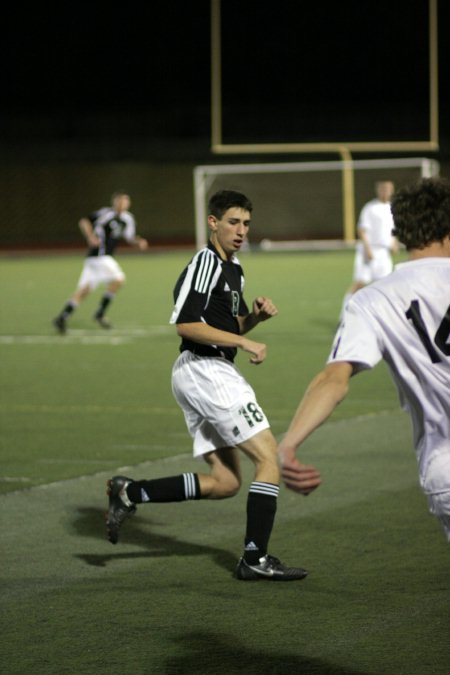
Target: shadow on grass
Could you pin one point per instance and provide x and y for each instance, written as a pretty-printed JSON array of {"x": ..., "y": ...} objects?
[
  {"x": 89, "y": 523},
  {"x": 229, "y": 656}
]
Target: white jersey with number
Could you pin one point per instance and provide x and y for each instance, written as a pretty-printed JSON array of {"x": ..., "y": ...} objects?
[{"x": 405, "y": 320}]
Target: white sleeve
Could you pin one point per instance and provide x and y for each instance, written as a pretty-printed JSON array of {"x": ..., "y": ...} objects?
[
  {"x": 356, "y": 340},
  {"x": 129, "y": 232},
  {"x": 364, "y": 222}
]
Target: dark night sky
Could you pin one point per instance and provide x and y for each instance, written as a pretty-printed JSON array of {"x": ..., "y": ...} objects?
[{"x": 289, "y": 68}]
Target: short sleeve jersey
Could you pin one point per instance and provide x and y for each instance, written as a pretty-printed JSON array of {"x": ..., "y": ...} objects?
[
  {"x": 210, "y": 290},
  {"x": 110, "y": 227},
  {"x": 377, "y": 222},
  {"x": 405, "y": 319}
]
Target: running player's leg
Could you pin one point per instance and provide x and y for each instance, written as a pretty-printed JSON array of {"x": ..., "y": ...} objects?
[
  {"x": 256, "y": 563},
  {"x": 86, "y": 284},
  {"x": 263, "y": 494},
  {"x": 114, "y": 277},
  {"x": 361, "y": 277},
  {"x": 223, "y": 481}
]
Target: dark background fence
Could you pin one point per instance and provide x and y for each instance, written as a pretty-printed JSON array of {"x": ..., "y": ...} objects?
[{"x": 97, "y": 100}]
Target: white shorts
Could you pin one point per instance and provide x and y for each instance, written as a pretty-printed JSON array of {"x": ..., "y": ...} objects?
[
  {"x": 219, "y": 406},
  {"x": 101, "y": 269},
  {"x": 366, "y": 271}
]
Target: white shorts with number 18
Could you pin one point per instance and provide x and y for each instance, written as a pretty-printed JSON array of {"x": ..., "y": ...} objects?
[{"x": 219, "y": 406}]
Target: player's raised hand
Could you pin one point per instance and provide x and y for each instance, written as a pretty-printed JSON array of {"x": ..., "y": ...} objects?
[{"x": 263, "y": 308}]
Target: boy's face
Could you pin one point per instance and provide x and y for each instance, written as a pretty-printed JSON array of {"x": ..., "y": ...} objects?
[
  {"x": 229, "y": 233},
  {"x": 121, "y": 203},
  {"x": 385, "y": 191}
]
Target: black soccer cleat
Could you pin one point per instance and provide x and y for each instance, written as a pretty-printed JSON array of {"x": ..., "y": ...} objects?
[
  {"x": 118, "y": 510},
  {"x": 60, "y": 325},
  {"x": 269, "y": 568},
  {"x": 104, "y": 323}
]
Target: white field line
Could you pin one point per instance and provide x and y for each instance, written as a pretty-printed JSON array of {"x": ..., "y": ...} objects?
[
  {"x": 86, "y": 337},
  {"x": 94, "y": 409}
]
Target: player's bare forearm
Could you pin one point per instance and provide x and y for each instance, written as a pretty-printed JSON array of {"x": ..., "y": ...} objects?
[
  {"x": 87, "y": 230},
  {"x": 322, "y": 396},
  {"x": 208, "y": 335},
  {"x": 368, "y": 253}
]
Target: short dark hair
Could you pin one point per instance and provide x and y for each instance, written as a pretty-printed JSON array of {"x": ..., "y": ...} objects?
[
  {"x": 119, "y": 193},
  {"x": 223, "y": 200},
  {"x": 422, "y": 213}
]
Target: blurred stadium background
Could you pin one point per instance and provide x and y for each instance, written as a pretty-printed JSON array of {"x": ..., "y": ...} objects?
[{"x": 96, "y": 102}]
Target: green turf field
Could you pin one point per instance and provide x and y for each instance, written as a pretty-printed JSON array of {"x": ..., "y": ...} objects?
[{"x": 76, "y": 409}]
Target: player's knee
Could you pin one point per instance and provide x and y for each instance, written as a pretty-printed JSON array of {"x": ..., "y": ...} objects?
[{"x": 116, "y": 285}]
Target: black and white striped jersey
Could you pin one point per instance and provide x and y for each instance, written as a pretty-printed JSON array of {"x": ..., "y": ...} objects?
[
  {"x": 110, "y": 227},
  {"x": 210, "y": 290}
]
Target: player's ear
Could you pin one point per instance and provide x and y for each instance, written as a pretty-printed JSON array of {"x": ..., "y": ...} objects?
[{"x": 212, "y": 223}]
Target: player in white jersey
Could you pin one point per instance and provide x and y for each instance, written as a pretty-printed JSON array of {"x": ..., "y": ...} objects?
[
  {"x": 220, "y": 407},
  {"x": 375, "y": 245},
  {"x": 405, "y": 320},
  {"x": 102, "y": 230}
]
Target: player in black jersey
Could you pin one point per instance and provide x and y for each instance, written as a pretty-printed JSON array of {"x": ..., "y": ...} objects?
[
  {"x": 103, "y": 230},
  {"x": 220, "y": 407}
]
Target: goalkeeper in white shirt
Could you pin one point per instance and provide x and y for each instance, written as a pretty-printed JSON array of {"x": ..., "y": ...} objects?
[
  {"x": 404, "y": 319},
  {"x": 376, "y": 243}
]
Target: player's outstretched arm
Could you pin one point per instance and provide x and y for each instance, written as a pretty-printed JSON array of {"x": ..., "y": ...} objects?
[
  {"x": 322, "y": 396},
  {"x": 88, "y": 233},
  {"x": 208, "y": 335}
]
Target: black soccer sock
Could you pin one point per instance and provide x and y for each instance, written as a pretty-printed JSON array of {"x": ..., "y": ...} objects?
[
  {"x": 261, "y": 509},
  {"x": 172, "y": 489},
  {"x": 68, "y": 308},
  {"x": 104, "y": 302}
]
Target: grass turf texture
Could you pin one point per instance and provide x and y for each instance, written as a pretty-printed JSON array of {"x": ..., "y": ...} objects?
[{"x": 77, "y": 408}]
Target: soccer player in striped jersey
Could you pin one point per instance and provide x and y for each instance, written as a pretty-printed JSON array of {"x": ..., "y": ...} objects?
[
  {"x": 404, "y": 319},
  {"x": 102, "y": 230},
  {"x": 221, "y": 411}
]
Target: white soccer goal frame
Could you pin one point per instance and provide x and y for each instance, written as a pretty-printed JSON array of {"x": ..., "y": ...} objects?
[{"x": 203, "y": 176}]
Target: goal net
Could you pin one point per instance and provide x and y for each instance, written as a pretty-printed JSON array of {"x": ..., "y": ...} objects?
[{"x": 303, "y": 204}]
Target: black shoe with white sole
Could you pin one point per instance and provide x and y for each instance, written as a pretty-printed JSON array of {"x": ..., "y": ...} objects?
[
  {"x": 60, "y": 324},
  {"x": 268, "y": 568},
  {"x": 104, "y": 323}
]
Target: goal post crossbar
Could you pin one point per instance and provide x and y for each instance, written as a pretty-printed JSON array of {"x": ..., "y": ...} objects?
[{"x": 205, "y": 174}]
